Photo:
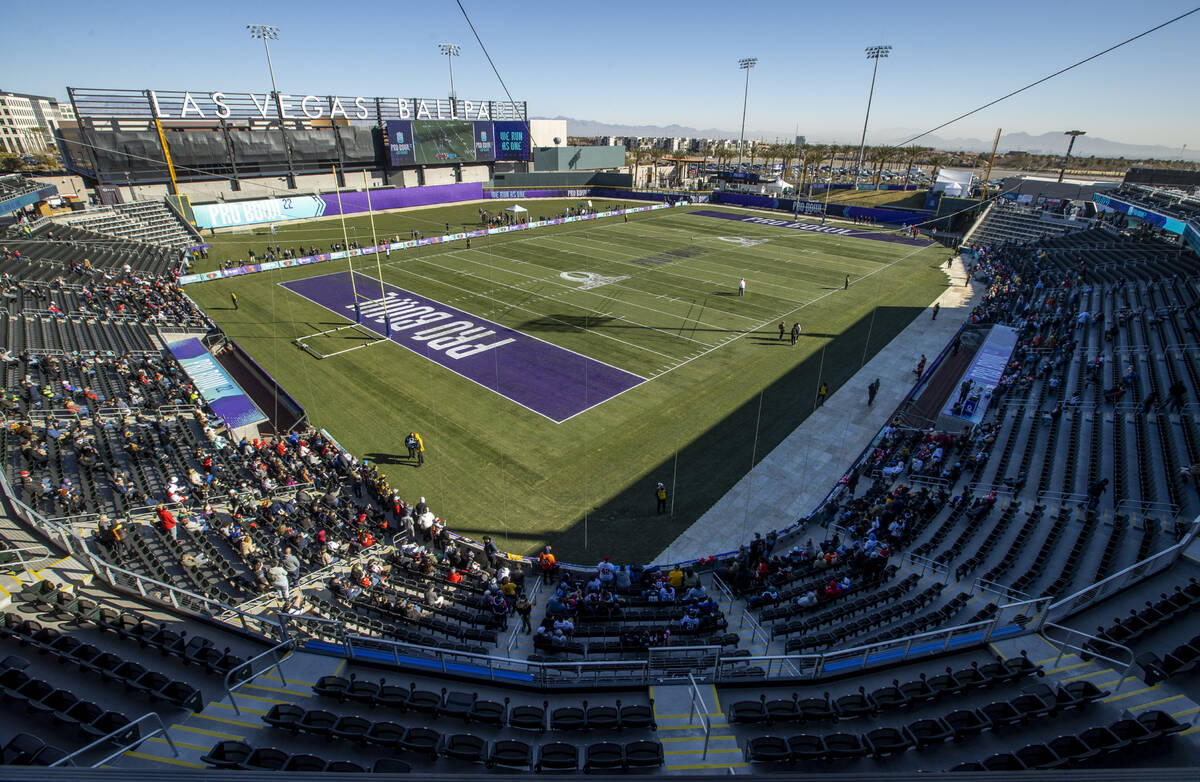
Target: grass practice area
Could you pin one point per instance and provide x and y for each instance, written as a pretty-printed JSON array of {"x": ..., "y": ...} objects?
[
  {"x": 656, "y": 296},
  {"x": 899, "y": 199}
]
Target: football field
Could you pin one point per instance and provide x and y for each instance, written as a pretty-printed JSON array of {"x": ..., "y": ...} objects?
[{"x": 557, "y": 374}]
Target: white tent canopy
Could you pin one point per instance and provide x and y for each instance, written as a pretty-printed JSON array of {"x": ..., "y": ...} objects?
[
  {"x": 516, "y": 208},
  {"x": 779, "y": 185},
  {"x": 954, "y": 182}
]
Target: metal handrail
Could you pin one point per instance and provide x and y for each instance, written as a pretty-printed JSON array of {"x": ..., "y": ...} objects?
[
  {"x": 865, "y": 652},
  {"x": 1138, "y": 571},
  {"x": 162, "y": 728},
  {"x": 721, "y": 585},
  {"x": 34, "y": 547},
  {"x": 1008, "y": 593},
  {"x": 926, "y": 564},
  {"x": 705, "y": 720},
  {"x": 1126, "y": 666},
  {"x": 756, "y": 629},
  {"x": 277, "y": 664}
]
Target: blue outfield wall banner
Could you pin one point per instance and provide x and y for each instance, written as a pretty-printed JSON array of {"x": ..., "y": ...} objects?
[
  {"x": 10, "y": 205},
  {"x": 1191, "y": 235},
  {"x": 218, "y": 389},
  {"x": 1165, "y": 222},
  {"x": 894, "y": 216}
]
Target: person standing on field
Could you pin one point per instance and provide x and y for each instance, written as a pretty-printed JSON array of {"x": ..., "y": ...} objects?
[
  {"x": 742, "y": 287},
  {"x": 781, "y": 330},
  {"x": 233, "y": 298},
  {"x": 661, "y": 495},
  {"x": 795, "y": 333},
  {"x": 421, "y": 447}
]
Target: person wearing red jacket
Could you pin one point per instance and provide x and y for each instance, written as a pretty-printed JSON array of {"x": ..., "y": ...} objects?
[{"x": 168, "y": 521}]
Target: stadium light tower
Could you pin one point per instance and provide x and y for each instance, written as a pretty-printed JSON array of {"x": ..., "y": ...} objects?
[
  {"x": 1074, "y": 134},
  {"x": 746, "y": 63},
  {"x": 267, "y": 33},
  {"x": 451, "y": 50},
  {"x": 875, "y": 53}
]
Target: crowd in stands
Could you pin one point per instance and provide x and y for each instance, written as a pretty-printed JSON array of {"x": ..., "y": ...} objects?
[{"x": 87, "y": 432}]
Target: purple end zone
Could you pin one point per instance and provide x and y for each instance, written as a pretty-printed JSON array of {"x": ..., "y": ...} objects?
[
  {"x": 836, "y": 230},
  {"x": 553, "y": 381}
]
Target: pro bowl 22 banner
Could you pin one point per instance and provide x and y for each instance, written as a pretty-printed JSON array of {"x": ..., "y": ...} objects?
[
  {"x": 223, "y": 395},
  {"x": 268, "y": 210}
]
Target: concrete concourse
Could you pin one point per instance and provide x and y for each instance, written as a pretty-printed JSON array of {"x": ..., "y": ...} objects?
[{"x": 793, "y": 478}]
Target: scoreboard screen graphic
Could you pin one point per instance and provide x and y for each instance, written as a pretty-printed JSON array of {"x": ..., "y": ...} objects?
[
  {"x": 512, "y": 140},
  {"x": 400, "y": 142},
  {"x": 485, "y": 142},
  {"x": 444, "y": 141}
]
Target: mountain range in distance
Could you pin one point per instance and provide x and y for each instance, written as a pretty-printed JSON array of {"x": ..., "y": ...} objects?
[{"x": 1052, "y": 143}]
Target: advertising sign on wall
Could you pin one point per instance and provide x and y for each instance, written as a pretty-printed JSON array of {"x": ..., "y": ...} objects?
[{"x": 512, "y": 141}]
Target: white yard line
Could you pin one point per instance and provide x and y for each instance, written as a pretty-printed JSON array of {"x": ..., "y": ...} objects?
[
  {"x": 509, "y": 305},
  {"x": 759, "y": 272},
  {"x": 593, "y": 291},
  {"x": 654, "y": 272},
  {"x": 797, "y": 309},
  {"x": 544, "y": 296}
]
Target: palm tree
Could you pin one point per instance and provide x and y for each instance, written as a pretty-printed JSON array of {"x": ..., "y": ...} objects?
[
  {"x": 911, "y": 157},
  {"x": 833, "y": 150},
  {"x": 656, "y": 155},
  {"x": 791, "y": 152},
  {"x": 786, "y": 153},
  {"x": 937, "y": 160},
  {"x": 813, "y": 152},
  {"x": 881, "y": 155}
]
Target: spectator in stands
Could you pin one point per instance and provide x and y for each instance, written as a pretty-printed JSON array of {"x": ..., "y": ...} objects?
[
  {"x": 279, "y": 580},
  {"x": 167, "y": 520},
  {"x": 291, "y": 564},
  {"x": 547, "y": 563}
]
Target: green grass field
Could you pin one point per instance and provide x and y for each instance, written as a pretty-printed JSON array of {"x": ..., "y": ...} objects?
[{"x": 723, "y": 390}]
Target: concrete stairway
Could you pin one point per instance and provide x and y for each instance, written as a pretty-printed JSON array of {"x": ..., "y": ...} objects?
[{"x": 681, "y": 731}]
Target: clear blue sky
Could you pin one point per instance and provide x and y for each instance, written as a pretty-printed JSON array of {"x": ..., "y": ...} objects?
[{"x": 655, "y": 63}]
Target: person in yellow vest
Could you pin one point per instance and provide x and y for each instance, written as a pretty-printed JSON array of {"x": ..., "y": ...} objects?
[
  {"x": 661, "y": 494},
  {"x": 420, "y": 448}
]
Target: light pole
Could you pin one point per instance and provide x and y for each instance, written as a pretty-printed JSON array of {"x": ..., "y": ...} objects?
[
  {"x": 875, "y": 53},
  {"x": 267, "y": 33},
  {"x": 1074, "y": 134},
  {"x": 746, "y": 63},
  {"x": 451, "y": 51},
  {"x": 271, "y": 33}
]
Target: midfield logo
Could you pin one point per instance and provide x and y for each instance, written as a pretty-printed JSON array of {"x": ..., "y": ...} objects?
[
  {"x": 744, "y": 242},
  {"x": 589, "y": 280}
]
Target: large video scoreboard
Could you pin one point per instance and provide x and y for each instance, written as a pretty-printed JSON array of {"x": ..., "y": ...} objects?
[{"x": 433, "y": 142}]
